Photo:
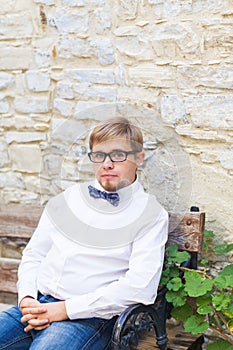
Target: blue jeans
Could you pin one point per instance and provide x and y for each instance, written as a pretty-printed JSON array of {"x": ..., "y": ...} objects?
[{"x": 81, "y": 334}]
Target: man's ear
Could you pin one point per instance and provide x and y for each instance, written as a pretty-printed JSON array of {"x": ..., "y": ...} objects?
[{"x": 140, "y": 158}]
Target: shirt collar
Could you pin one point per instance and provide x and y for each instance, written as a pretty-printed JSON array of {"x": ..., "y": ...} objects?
[{"x": 126, "y": 193}]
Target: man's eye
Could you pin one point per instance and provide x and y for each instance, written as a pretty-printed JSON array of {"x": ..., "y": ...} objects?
[
  {"x": 99, "y": 155},
  {"x": 118, "y": 154}
]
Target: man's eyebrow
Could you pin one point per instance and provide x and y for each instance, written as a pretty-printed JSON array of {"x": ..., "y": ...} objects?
[{"x": 113, "y": 150}]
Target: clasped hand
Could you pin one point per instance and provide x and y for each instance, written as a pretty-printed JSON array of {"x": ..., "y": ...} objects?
[{"x": 39, "y": 316}]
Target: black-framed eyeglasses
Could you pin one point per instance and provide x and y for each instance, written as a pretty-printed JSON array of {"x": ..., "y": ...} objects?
[{"x": 114, "y": 156}]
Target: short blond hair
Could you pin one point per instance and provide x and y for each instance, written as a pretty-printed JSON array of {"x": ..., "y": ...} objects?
[{"x": 117, "y": 127}]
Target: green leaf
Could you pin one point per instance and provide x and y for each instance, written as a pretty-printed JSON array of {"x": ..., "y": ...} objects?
[
  {"x": 227, "y": 313},
  {"x": 165, "y": 277},
  {"x": 205, "y": 309},
  {"x": 172, "y": 250},
  {"x": 205, "y": 246},
  {"x": 174, "y": 284},
  {"x": 182, "y": 256},
  {"x": 230, "y": 308},
  {"x": 204, "y": 300},
  {"x": 176, "y": 298},
  {"x": 196, "y": 324},
  {"x": 230, "y": 324},
  {"x": 221, "y": 301},
  {"x": 208, "y": 234},
  {"x": 196, "y": 285},
  {"x": 219, "y": 345},
  {"x": 222, "y": 282},
  {"x": 204, "y": 261},
  {"x": 223, "y": 248},
  {"x": 227, "y": 271},
  {"x": 176, "y": 256},
  {"x": 182, "y": 313},
  {"x": 167, "y": 274}
]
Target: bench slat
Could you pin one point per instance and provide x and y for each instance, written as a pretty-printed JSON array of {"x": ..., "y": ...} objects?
[
  {"x": 18, "y": 220},
  {"x": 8, "y": 274}
]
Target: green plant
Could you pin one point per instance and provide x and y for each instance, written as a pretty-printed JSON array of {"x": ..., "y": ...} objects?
[{"x": 200, "y": 300}]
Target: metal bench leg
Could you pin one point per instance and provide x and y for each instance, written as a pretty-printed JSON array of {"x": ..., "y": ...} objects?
[{"x": 159, "y": 318}]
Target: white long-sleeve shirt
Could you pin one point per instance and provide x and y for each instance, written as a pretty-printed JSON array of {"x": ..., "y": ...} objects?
[{"x": 97, "y": 257}]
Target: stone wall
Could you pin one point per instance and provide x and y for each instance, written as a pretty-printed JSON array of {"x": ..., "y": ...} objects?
[{"x": 167, "y": 65}]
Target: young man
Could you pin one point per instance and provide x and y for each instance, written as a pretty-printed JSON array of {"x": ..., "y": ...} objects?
[{"x": 97, "y": 249}]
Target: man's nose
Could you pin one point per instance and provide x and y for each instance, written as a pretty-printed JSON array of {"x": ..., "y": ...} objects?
[{"x": 108, "y": 162}]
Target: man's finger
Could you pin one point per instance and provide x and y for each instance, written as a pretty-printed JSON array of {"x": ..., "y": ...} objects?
[
  {"x": 26, "y": 318},
  {"x": 33, "y": 310},
  {"x": 37, "y": 328}
]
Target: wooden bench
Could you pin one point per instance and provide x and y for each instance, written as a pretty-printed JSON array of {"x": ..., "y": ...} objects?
[{"x": 17, "y": 223}]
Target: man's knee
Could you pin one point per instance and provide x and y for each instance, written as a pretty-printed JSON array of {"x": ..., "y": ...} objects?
[{"x": 12, "y": 335}]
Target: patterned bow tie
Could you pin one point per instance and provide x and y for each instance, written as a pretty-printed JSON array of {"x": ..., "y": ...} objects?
[{"x": 112, "y": 198}]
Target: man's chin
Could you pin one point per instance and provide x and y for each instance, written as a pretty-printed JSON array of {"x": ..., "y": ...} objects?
[{"x": 110, "y": 186}]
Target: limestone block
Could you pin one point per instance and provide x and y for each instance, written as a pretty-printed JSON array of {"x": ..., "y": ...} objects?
[
  {"x": 212, "y": 111},
  {"x": 52, "y": 164},
  {"x": 67, "y": 130},
  {"x": 37, "y": 184},
  {"x": 196, "y": 133},
  {"x": 126, "y": 93},
  {"x": 73, "y": 3},
  {"x": 71, "y": 22},
  {"x": 208, "y": 157},
  {"x": 15, "y": 57},
  {"x": 207, "y": 187},
  {"x": 104, "y": 50},
  {"x": 87, "y": 108},
  {"x": 66, "y": 108},
  {"x": 93, "y": 76},
  {"x": 12, "y": 180},
  {"x": 170, "y": 8},
  {"x": 7, "y": 6},
  {"x": 13, "y": 6},
  {"x": 175, "y": 40},
  {"x": 98, "y": 93},
  {"x": 6, "y": 80},
  {"x": 23, "y": 123},
  {"x": 19, "y": 196},
  {"x": 69, "y": 46},
  {"x": 214, "y": 77},
  {"x": 218, "y": 35},
  {"x": 24, "y": 137},
  {"x": 37, "y": 81},
  {"x": 173, "y": 110},
  {"x": 4, "y": 106},
  {"x": 95, "y": 2},
  {"x": 43, "y": 57},
  {"x": 25, "y": 158},
  {"x": 69, "y": 170},
  {"x": 226, "y": 159},
  {"x": 210, "y": 5},
  {"x": 102, "y": 20},
  {"x": 132, "y": 30},
  {"x": 16, "y": 25},
  {"x": 4, "y": 158},
  {"x": 31, "y": 104},
  {"x": 92, "y": 110},
  {"x": 152, "y": 77},
  {"x": 127, "y": 9},
  {"x": 46, "y": 2},
  {"x": 65, "y": 90},
  {"x": 135, "y": 47}
]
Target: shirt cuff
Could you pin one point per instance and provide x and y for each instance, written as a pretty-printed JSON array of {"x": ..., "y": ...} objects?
[
  {"x": 78, "y": 307},
  {"x": 27, "y": 292}
]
